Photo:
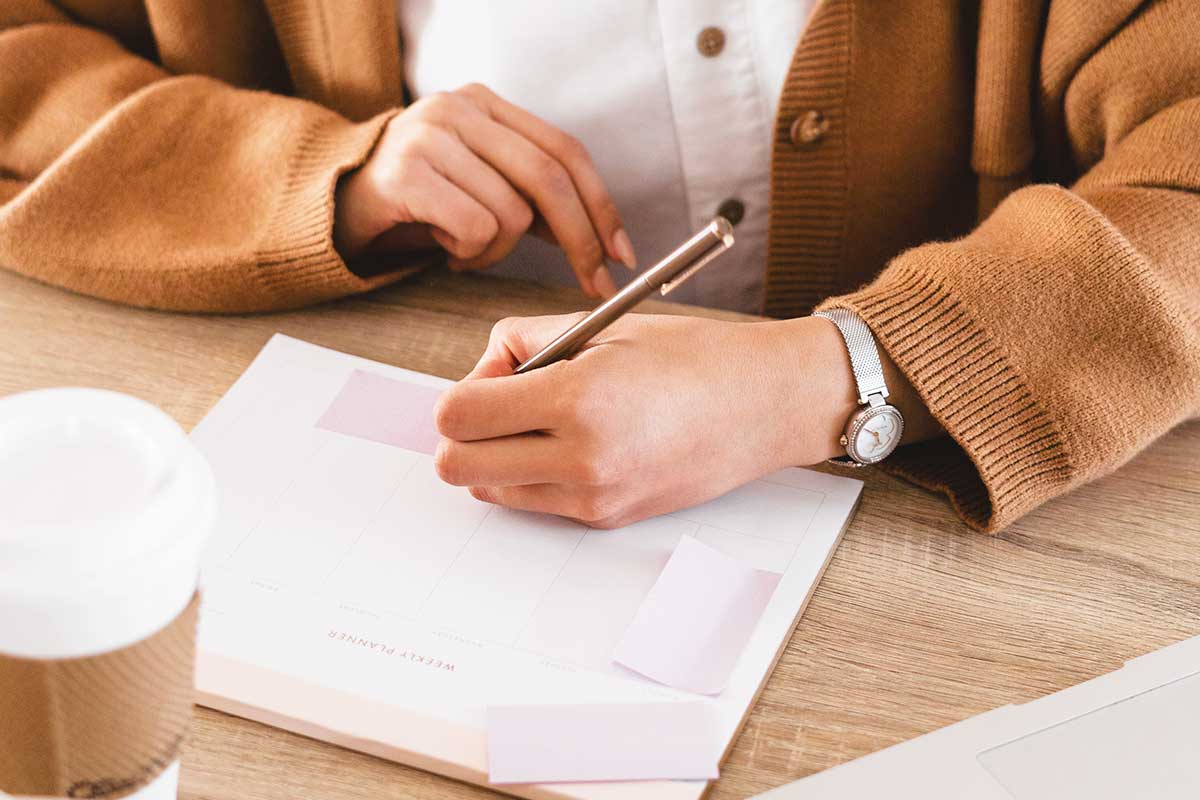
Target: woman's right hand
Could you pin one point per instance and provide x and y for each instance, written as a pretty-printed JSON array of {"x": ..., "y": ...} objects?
[{"x": 472, "y": 172}]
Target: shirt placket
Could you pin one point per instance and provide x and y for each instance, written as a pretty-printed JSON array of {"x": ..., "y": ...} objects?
[{"x": 723, "y": 131}]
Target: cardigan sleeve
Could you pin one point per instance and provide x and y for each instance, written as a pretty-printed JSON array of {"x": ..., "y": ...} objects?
[
  {"x": 1063, "y": 334},
  {"x": 121, "y": 180}
]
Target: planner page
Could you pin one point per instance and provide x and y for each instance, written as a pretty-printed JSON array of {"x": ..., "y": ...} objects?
[{"x": 341, "y": 564}]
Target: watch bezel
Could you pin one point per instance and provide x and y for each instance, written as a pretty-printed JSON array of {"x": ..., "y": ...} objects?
[{"x": 860, "y": 419}]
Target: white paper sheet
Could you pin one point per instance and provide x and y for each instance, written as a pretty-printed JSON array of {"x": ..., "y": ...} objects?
[
  {"x": 601, "y": 742},
  {"x": 345, "y": 566}
]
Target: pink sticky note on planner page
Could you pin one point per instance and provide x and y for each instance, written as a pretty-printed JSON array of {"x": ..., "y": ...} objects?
[
  {"x": 602, "y": 742},
  {"x": 697, "y": 618},
  {"x": 384, "y": 410}
]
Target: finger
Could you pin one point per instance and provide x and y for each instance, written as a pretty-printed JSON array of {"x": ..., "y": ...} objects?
[
  {"x": 490, "y": 367},
  {"x": 453, "y": 159},
  {"x": 515, "y": 339},
  {"x": 461, "y": 224},
  {"x": 407, "y": 237},
  {"x": 603, "y": 281},
  {"x": 487, "y": 408},
  {"x": 574, "y": 502},
  {"x": 510, "y": 461},
  {"x": 571, "y": 153},
  {"x": 602, "y": 277},
  {"x": 542, "y": 178}
]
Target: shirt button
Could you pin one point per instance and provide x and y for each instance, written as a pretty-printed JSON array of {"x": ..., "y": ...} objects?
[
  {"x": 733, "y": 210},
  {"x": 710, "y": 42},
  {"x": 808, "y": 129}
]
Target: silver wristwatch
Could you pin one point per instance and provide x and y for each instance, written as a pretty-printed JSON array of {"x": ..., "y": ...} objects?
[{"x": 873, "y": 431}]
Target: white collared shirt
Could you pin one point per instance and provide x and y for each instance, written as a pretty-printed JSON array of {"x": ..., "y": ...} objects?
[{"x": 674, "y": 132}]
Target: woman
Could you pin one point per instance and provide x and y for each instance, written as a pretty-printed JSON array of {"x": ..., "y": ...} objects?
[{"x": 237, "y": 156}]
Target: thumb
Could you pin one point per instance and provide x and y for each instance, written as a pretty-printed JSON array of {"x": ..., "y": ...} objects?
[
  {"x": 516, "y": 339},
  {"x": 490, "y": 366}
]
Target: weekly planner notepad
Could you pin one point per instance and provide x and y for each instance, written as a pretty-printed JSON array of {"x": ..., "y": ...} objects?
[{"x": 351, "y": 596}]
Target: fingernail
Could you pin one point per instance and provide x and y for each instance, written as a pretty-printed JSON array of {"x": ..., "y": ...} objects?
[
  {"x": 602, "y": 280},
  {"x": 624, "y": 248}
]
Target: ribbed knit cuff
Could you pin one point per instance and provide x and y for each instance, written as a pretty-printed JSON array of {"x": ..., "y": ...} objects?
[
  {"x": 297, "y": 262},
  {"x": 1004, "y": 454}
]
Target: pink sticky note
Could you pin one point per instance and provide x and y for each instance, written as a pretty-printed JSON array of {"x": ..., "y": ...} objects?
[
  {"x": 694, "y": 622},
  {"x": 384, "y": 410},
  {"x": 601, "y": 742}
]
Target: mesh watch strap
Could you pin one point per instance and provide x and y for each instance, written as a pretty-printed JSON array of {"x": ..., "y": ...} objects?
[{"x": 864, "y": 354}]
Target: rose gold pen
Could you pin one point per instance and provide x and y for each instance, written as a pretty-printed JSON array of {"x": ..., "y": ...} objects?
[{"x": 683, "y": 263}]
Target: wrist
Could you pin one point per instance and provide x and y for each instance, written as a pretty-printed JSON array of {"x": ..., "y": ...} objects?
[
  {"x": 351, "y": 227},
  {"x": 815, "y": 390},
  {"x": 876, "y": 377}
]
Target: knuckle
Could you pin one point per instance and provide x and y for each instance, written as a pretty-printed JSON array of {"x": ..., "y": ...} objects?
[
  {"x": 504, "y": 327},
  {"x": 590, "y": 252},
  {"x": 594, "y": 467},
  {"x": 483, "y": 494},
  {"x": 427, "y": 134},
  {"x": 446, "y": 463},
  {"x": 438, "y": 107},
  {"x": 426, "y": 108},
  {"x": 475, "y": 96},
  {"x": 608, "y": 212},
  {"x": 594, "y": 507},
  {"x": 608, "y": 523},
  {"x": 474, "y": 90},
  {"x": 520, "y": 216},
  {"x": 411, "y": 146},
  {"x": 446, "y": 415},
  {"x": 573, "y": 150},
  {"x": 480, "y": 229},
  {"x": 504, "y": 330},
  {"x": 553, "y": 177}
]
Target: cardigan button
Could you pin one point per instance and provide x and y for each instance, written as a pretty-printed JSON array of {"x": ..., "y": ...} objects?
[{"x": 808, "y": 129}]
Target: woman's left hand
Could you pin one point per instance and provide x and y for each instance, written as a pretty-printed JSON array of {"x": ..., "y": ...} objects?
[{"x": 657, "y": 413}]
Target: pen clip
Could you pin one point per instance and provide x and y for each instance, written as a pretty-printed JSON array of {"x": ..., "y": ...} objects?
[{"x": 674, "y": 283}]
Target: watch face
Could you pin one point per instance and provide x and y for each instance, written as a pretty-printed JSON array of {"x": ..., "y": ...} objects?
[{"x": 875, "y": 433}]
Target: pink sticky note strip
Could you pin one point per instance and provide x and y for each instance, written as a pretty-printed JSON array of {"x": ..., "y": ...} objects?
[
  {"x": 384, "y": 410},
  {"x": 601, "y": 742},
  {"x": 695, "y": 621}
]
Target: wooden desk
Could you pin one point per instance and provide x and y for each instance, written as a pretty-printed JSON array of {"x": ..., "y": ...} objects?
[{"x": 918, "y": 622}]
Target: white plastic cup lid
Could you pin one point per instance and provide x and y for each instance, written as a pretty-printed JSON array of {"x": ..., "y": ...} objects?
[{"x": 104, "y": 505}]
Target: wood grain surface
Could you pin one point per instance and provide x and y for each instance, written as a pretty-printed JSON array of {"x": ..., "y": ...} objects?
[{"x": 917, "y": 623}]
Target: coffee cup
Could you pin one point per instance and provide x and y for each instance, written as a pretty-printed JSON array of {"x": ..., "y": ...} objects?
[{"x": 104, "y": 507}]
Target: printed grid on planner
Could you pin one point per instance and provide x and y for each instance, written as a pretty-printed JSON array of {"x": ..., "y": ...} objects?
[{"x": 369, "y": 524}]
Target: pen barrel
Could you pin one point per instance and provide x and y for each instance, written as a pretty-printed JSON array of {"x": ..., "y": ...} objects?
[
  {"x": 574, "y": 337},
  {"x": 680, "y": 263},
  {"x": 678, "y": 266}
]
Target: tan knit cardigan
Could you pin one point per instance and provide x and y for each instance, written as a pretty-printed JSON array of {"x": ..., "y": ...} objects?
[{"x": 1014, "y": 185}]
